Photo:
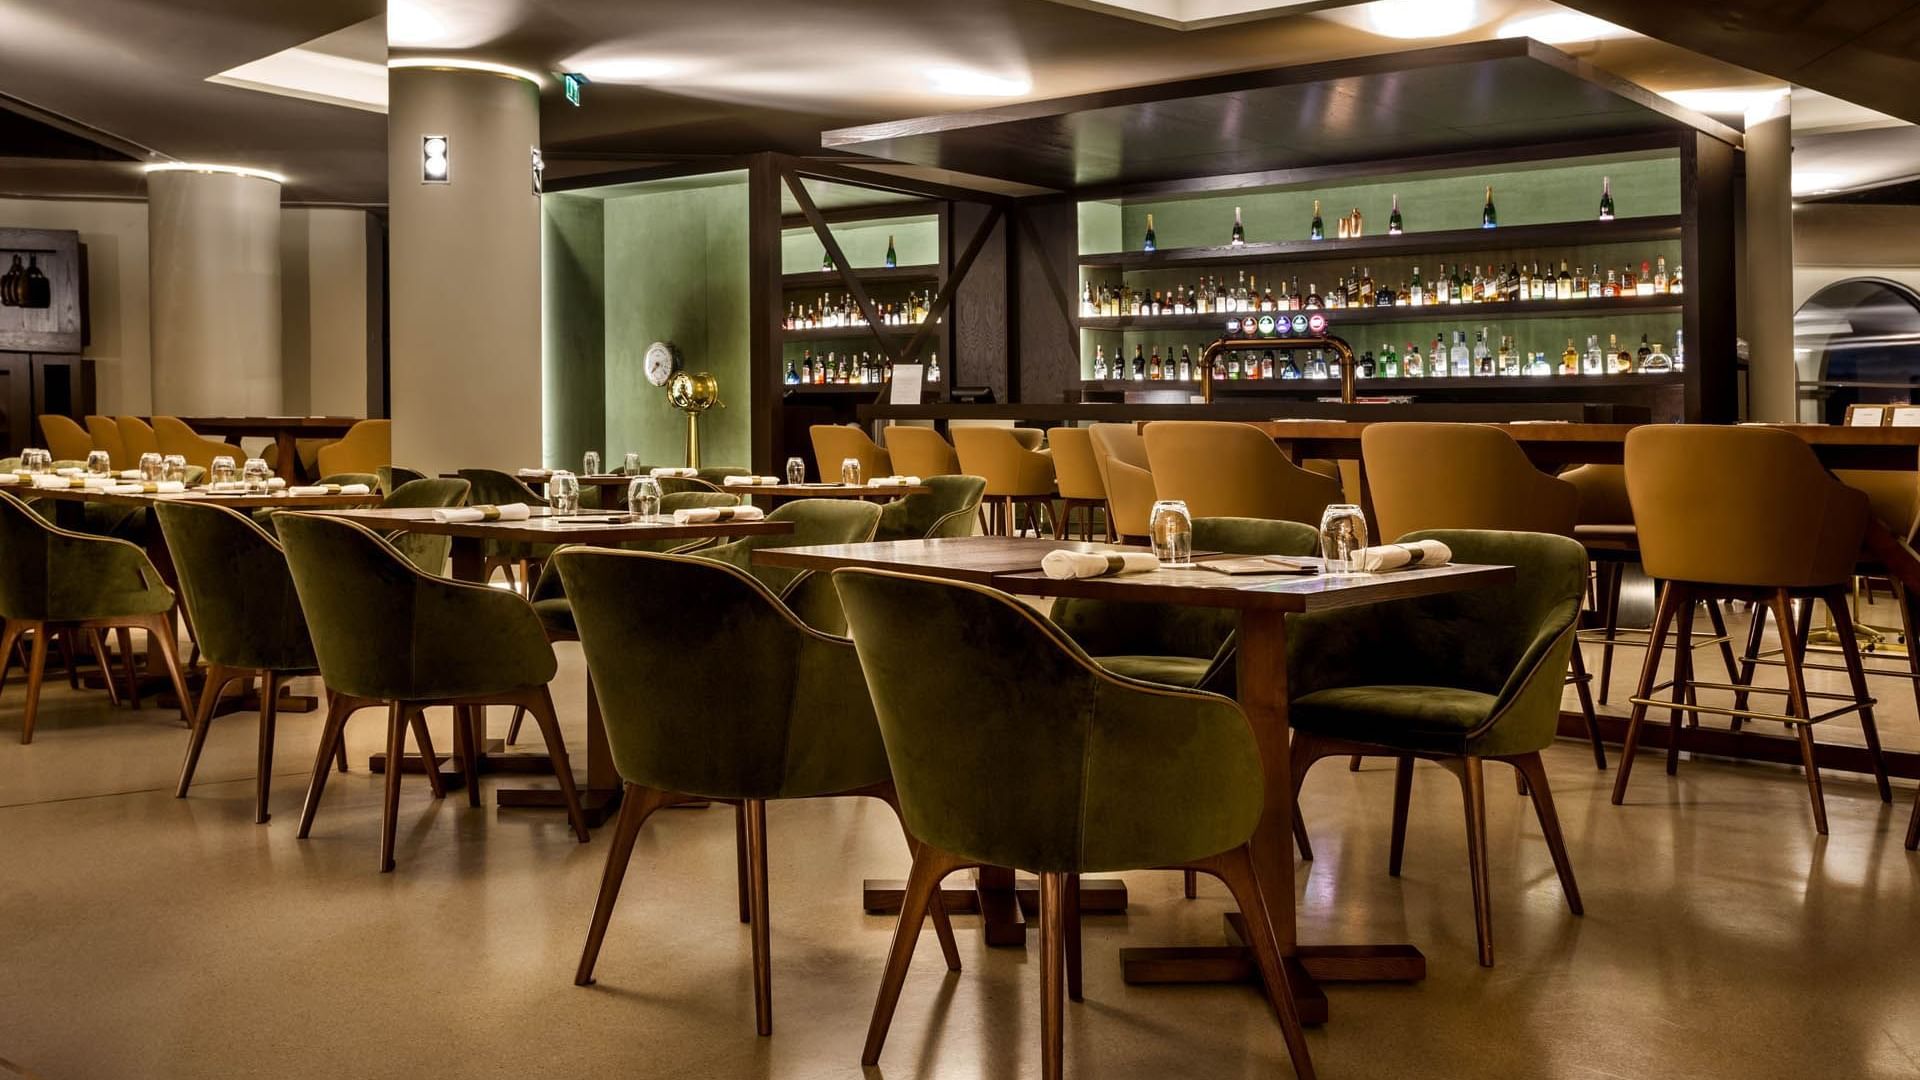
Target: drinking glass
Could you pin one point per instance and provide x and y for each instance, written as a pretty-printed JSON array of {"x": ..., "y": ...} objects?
[
  {"x": 174, "y": 467},
  {"x": 1171, "y": 528},
  {"x": 590, "y": 466},
  {"x": 150, "y": 466},
  {"x": 99, "y": 463},
  {"x": 1343, "y": 531},
  {"x": 796, "y": 471},
  {"x": 643, "y": 498},
  {"x": 563, "y": 492},
  {"x": 255, "y": 473},
  {"x": 850, "y": 471},
  {"x": 633, "y": 463},
  {"x": 36, "y": 461},
  {"x": 221, "y": 471}
]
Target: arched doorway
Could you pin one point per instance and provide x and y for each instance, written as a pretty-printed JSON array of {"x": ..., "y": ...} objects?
[{"x": 1854, "y": 341}]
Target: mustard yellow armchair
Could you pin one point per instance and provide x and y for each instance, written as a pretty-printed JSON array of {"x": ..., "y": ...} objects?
[
  {"x": 175, "y": 437},
  {"x": 367, "y": 446}
]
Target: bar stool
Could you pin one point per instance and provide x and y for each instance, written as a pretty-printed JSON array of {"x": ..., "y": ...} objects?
[
  {"x": 920, "y": 451},
  {"x": 1224, "y": 469},
  {"x": 834, "y": 443},
  {"x": 1016, "y": 476},
  {"x": 1079, "y": 477},
  {"x": 1121, "y": 456},
  {"x": 1750, "y": 514}
]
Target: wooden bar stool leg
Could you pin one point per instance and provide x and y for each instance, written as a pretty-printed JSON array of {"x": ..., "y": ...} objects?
[
  {"x": 1857, "y": 675},
  {"x": 1756, "y": 635},
  {"x": 1649, "y": 675},
  {"x": 930, "y": 867},
  {"x": 1682, "y": 674},
  {"x": 1797, "y": 706},
  {"x": 1719, "y": 622},
  {"x": 1583, "y": 690},
  {"x": 1610, "y": 621}
]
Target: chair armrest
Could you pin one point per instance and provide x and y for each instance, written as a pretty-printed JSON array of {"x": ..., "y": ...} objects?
[
  {"x": 475, "y": 634},
  {"x": 92, "y": 576}
]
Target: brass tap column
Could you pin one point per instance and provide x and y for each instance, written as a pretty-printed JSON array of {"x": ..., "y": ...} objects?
[{"x": 1210, "y": 354}]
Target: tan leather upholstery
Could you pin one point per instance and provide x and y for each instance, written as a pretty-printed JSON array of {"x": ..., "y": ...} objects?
[
  {"x": 1073, "y": 465},
  {"x": 106, "y": 436},
  {"x": 1603, "y": 494},
  {"x": 1894, "y": 496},
  {"x": 137, "y": 436},
  {"x": 1223, "y": 469},
  {"x": 1029, "y": 438},
  {"x": 175, "y": 437},
  {"x": 66, "y": 440},
  {"x": 366, "y": 446},
  {"x": 1008, "y": 467},
  {"x": 920, "y": 451},
  {"x": 1460, "y": 476},
  {"x": 1121, "y": 456},
  {"x": 1740, "y": 506},
  {"x": 834, "y": 443}
]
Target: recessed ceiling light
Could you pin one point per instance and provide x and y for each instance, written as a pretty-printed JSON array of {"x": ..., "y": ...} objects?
[
  {"x": 1725, "y": 101},
  {"x": 1817, "y": 183},
  {"x": 200, "y": 167},
  {"x": 1562, "y": 27},
  {"x": 624, "y": 69},
  {"x": 460, "y": 63},
  {"x": 1421, "y": 18},
  {"x": 969, "y": 82}
]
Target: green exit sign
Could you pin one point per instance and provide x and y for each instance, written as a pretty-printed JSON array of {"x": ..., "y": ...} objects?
[{"x": 572, "y": 83}]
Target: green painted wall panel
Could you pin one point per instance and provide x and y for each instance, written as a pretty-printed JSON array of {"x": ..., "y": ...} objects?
[
  {"x": 573, "y": 328},
  {"x": 916, "y": 242}
]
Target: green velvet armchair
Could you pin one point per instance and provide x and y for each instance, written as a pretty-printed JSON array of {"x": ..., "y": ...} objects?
[
  {"x": 384, "y": 632},
  {"x": 53, "y": 581},
  {"x": 815, "y": 521},
  {"x": 491, "y": 487},
  {"x": 948, "y": 509},
  {"x": 1090, "y": 772},
  {"x": 1457, "y": 679},
  {"x": 757, "y": 707},
  {"x": 239, "y": 597},
  {"x": 425, "y": 550},
  {"x": 392, "y": 476}
]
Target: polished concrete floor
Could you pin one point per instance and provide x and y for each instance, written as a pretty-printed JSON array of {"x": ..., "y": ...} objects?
[{"x": 146, "y": 937}]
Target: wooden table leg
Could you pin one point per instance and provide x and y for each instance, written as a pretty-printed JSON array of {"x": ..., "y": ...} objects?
[{"x": 287, "y": 455}]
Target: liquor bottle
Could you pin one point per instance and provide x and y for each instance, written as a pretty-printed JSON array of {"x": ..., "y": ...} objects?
[
  {"x": 1384, "y": 296},
  {"x": 1673, "y": 286},
  {"x": 1100, "y": 362},
  {"x": 1363, "y": 367},
  {"x": 1482, "y": 356},
  {"x": 1507, "y": 362},
  {"x": 1629, "y": 286},
  {"x": 1570, "y": 360},
  {"x": 1316, "y": 231},
  {"x": 1606, "y": 198},
  {"x": 1186, "y": 364},
  {"x": 1394, "y": 225},
  {"x": 1148, "y": 244},
  {"x": 1537, "y": 284},
  {"x": 1312, "y": 302},
  {"x": 1596, "y": 287},
  {"x": 1366, "y": 288},
  {"x": 1537, "y": 364},
  {"x": 792, "y": 377},
  {"x": 1240, "y": 294},
  {"x": 1640, "y": 357},
  {"x": 1460, "y": 289},
  {"x": 1413, "y": 367},
  {"x": 1354, "y": 230},
  {"x": 1389, "y": 363},
  {"x": 1233, "y": 366},
  {"x": 1267, "y": 369},
  {"x": 1337, "y": 297},
  {"x": 1563, "y": 288},
  {"x": 1239, "y": 231},
  {"x": 1346, "y": 223},
  {"x": 1679, "y": 350},
  {"x": 1662, "y": 282},
  {"x": 892, "y": 259},
  {"x": 1139, "y": 364},
  {"x": 1437, "y": 365},
  {"x": 1643, "y": 285},
  {"x": 1088, "y": 306},
  {"x": 1596, "y": 361},
  {"x": 1267, "y": 301},
  {"x": 1459, "y": 361},
  {"x": 1622, "y": 359},
  {"x": 1657, "y": 362},
  {"x": 933, "y": 368},
  {"x": 1488, "y": 219},
  {"x": 1612, "y": 287},
  {"x": 1416, "y": 292},
  {"x": 1287, "y": 369}
]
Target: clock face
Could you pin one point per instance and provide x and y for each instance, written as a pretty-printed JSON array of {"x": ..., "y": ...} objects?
[{"x": 659, "y": 363}]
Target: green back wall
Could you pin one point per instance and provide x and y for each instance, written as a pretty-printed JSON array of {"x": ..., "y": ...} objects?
[
  {"x": 573, "y": 328},
  {"x": 916, "y": 242}
]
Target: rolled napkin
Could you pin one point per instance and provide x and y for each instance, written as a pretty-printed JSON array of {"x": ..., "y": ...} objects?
[
  {"x": 56, "y": 480},
  {"x": 671, "y": 471},
  {"x": 7, "y": 479},
  {"x": 228, "y": 487},
  {"x": 1061, "y": 565},
  {"x": 533, "y": 474},
  {"x": 70, "y": 470},
  {"x": 129, "y": 474},
  {"x": 509, "y": 512},
  {"x": 275, "y": 483},
  {"x": 894, "y": 481},
  {"x": 149, "y": 487},
  {"x": 330, "y": 489},
  {"x": 1376, "y": 560},
  {"x": 750, "y": 481},
  {"x": 701, "y": 515}
]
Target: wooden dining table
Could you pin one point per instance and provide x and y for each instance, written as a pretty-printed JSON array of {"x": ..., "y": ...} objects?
[
  {"x": 285, "y": 431},
  {"x": 1263, "y": 605},
  {"x": 600, "y": 794}
]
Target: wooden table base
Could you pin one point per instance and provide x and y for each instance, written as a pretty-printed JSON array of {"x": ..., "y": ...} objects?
[{"x": 1004, "y": 903}]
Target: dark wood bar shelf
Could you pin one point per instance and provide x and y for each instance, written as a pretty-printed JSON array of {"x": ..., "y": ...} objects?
[
  {"x": 1447, "y": 241},
  {"x": 1375, "y": 387},
  {"x": 834, "y": 390},
  {"x": 1462, "y": 313},
  {"x": 871, "y": 275},
  {"x": 843, "y": 333}
]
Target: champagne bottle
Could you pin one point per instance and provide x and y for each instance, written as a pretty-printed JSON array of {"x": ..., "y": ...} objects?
[
  {"x": 1606, "y": 198},
  {"x": 1139, "y": 364},
  {"x": 1488, "y": 219},
  {"x": 892, "y": 259},
  {"x": 1148, "y": 244},
  {"x": 1239, "y": 231},
  {"x": 1316, "y": 231},
  {"x": 826, "y": 260},
  {"x": 1394, "y": 225}
]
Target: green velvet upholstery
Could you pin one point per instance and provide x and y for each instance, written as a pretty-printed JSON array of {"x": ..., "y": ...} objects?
[
  {"x": 491, "y": 487},
  {"x": 1010, "y": 746},
  {"x": 1476, "y": 673},
  {"x": 237, "y": 589},
  {"x": 678, "y": 485},
  {"x": 425, "y": 550},
  {"x": 750, "y": 704},
  {"x": 55, "y": 575},
  {"x": 343, "y": 479},
  {"x": 949, "y": 509},
  {"x": 392, "y": 476},
  {"x": 550, "y": 598},
  {"x": 815, "y": 521},
  {"x": 717, "y": 473},
  {"x": 1174, "y": 645},
  {"x": 382, "y": 629}
]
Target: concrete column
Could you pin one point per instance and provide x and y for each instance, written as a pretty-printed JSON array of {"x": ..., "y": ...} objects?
[
  {"x": 464, "y": 271},
  {"x": 1768, "y": 320},
  {"x": 213, "y": 242}
]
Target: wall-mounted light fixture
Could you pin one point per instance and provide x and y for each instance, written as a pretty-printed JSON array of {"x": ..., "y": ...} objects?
[
  {"x": 539, "y": 171},
  {"x": 436, "y": 159}
]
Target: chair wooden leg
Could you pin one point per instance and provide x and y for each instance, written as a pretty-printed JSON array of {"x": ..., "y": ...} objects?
[
  {"x": 1718, "y": 620},
  {"x": 1913, "y": 824},
  {"x": 66, "y": 659},
  {"x": 1053, "y": 903},
  {"x": 1304, "y": 751},
  {"x": 930, "y": 867},
  {"x": 1792, "y": 650},
  {"x": 36, "y": 671},
  {"x": 1856, "y": 674},
  {"x": 1535, "y": 770},
  {"x": 1682, "y": 675},
  {"x": 263, "y": 765},
  {"x": 1402, "y": 793},
  {"x": 160, "y": 631},
  {"x": 936, "y": 907},
  {"x": 464, "y": 751},
  {"x": 1060, "y": 523},
  {"x": 331, "y": 738},
  {"x": 1613, "y": 572},
  {"x": 636, "y": 805},
  {"x": 740, "y": 861},
  {"x": 1756, "y": 634},
  {"x": 1473, "y": 790},
  {"x": 1584, "y": 691},
  {"x": 1353, "y": 763},
  {"x": 1906, "y": 638},
  {"x": 1235, "y": 870},
  {"x": 1070, "y": 943},
  {"x": 428, "y": 758},
  {"x": 757, "y": 900},
  {"x": 217, "y": 679},
  {"x": 541, "y": 706},
  {"x": 10, "y": 636},
  {"x": 1190, "y": 884},
  {"x": 125, "y": 636},
  {"x": 396, "y": 751},
  {"x": 513, "y": 727},
  {"x": 1649, "y": 674},
  {"x": 99, "y": 646}
]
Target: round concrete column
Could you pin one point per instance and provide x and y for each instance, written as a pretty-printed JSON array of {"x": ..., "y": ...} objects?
[
  {"x": 464, "y": 270},
  {"x": 1768, "y": 319},
  {"x": 213, "y": 251}
]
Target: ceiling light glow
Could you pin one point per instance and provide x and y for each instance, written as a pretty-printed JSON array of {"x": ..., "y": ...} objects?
[
  {"x": 1421, "y": 18},
  {"x": 460, "y": 63},
  {"x": 970, "y": 82},
  {"x": 1725, "y": 101},
  {"x": 1562, "y": 28},
  {"x": 626, "y": 69},
  {"x": 1817, "y": 183},
  {"x": 201, "y": 167}
]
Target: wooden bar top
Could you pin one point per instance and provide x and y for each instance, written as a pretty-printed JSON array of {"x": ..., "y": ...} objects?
[{"x": 275, "y": 500}]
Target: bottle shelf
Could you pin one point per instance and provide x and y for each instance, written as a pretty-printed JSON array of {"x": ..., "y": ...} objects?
[
  {"x": 870, "y": 275},
  {"x": 1377, "y": 387},
  {"x": 1444, "y": 241},
  {"x": 849, "y": 333},
  {"x": 834, "y": 390},
  {"x": 1463, "y": 313}
]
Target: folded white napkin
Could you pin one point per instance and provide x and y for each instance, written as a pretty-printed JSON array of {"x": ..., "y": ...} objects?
[
  {"x": 671, "y": 471},
  {"x": 701, "y": 515},
  {"x": 532, "y": 474},
  {"x": 1061, "y": 565},
  {"x": 750, "y": 481},
  {"x": 70, "y": 470},
  {"x": 275, "y": 483},
  {"x": 129, "y": 474},
  {"x": 1375, "y": 560},
  {"x": 228, "y": 487},
  {"x": 9, "y": 478},
  {"x": 894, "y": 481},
  {"x": 149, "y": 487},
  {"x": 58, "y": 480},
  {"x": 509, "y": 512},
  {"x": 330, "y": 489}
]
